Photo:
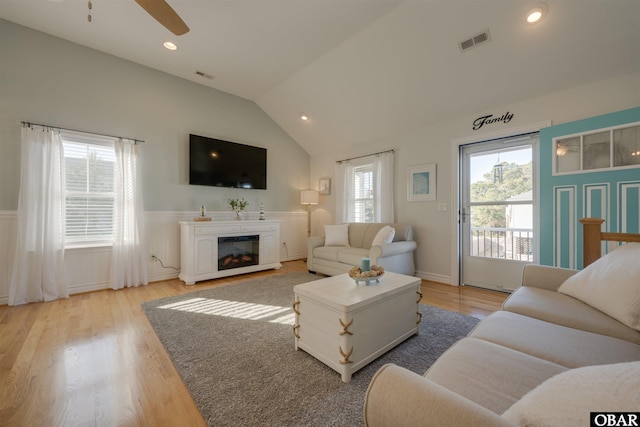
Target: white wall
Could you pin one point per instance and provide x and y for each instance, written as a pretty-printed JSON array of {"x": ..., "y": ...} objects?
[
  {"x": 435, "y": 230},
  {"x": 47, "y": 80}
]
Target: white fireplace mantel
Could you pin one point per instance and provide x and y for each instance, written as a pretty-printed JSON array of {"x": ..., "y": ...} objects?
[{"x": 199, "y": 255}]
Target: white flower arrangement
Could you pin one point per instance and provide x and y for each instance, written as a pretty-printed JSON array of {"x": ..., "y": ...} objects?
[{"x": 237, "y": 205}]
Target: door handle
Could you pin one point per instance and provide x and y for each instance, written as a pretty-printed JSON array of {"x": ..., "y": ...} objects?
[{"x": 463, "y": 215}]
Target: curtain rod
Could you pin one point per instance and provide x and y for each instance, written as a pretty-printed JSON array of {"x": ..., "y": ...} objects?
[
  {"x": 366, "y": 155},
  {"x": 137, "y": 141}
]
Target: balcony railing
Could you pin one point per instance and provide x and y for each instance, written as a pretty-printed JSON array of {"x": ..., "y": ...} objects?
[{"x": 502, "y": 243}]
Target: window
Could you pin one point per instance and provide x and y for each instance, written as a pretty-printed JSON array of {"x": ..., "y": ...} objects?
[
  {"x": 364, "y": 190},
  {"x": 363, "y": 193},
  {"x": 499, "y": 200},
  {"x": 89, "y": 164},
  {"x": 612, "y": 148}
]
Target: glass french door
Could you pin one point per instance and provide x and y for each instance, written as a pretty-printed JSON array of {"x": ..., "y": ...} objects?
[{"x": 497, "y": 215}]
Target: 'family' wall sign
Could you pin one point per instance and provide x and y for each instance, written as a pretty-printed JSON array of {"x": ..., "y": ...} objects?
[{"x": 490, "y": 119}]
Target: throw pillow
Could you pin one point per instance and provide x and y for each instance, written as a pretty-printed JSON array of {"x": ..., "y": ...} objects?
[
  {"x": 611, "y": 284},
  {"x": 567, "y": 398},
  {"x": 336, "y": 235},
  {"x": 385, "y": 235}
]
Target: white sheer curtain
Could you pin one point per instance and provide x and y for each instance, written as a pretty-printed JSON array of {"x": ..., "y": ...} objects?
[
  {"x": 38, "y": 268},
  {"x": 383, "y": 187},
  {"x": 344, "y": 192},
  {"x": 128, "y": 257},
  {"x": 383, "y": 210}
]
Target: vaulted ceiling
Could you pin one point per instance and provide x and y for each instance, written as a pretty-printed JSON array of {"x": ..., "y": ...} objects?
[{"x": 361, "y": 70}]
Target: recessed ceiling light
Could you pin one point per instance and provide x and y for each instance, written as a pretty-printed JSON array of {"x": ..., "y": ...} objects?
[
  {"x": 536, "y": 14},
  {"x": 304, "y": 117},
  {"x": 170, "y": 45}
]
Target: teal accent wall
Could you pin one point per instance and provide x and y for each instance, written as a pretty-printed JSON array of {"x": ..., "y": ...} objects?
[{"x": 613, "y": 195}]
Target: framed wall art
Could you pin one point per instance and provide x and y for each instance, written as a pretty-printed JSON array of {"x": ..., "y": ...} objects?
[
  {"x": 421, "y": 183},
  {"x": 325, "y": 186}
]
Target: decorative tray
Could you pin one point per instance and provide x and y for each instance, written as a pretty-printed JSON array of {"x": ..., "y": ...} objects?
[
  {"x": 368, "y": 280},
  {"x": 367, "y": 277}
]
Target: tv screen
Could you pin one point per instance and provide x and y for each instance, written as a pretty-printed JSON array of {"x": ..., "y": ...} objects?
[{"x": 221, "y": 163}]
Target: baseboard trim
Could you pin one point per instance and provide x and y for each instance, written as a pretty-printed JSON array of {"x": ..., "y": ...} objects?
[
  {"x": 432, "y": 277},
  {"x": 161, "y": 277},
  {"x": 88, "y": 287},
  {"x": 73, "y": 290}
]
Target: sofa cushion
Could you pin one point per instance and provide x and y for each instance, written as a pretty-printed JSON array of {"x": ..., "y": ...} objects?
[
  {"x": 488, "y": 374},
  {"x": 568, "y": 398},
  {"x": 345, "y": 255},
  {"x": 352, "y": 256},
  {"x": 336, "y": 235},
  {"x": 361, "y": 234},
  {"x": 385, "y": 235},
  {"x": 564, "y": 346},
  {"x": 329, "y": 253},
  {"x": 564, "y": 310},
  {"x": 611, "y": 284}
]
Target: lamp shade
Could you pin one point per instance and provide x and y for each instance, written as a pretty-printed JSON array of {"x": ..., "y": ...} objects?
[{"x": 309, "y": 197}]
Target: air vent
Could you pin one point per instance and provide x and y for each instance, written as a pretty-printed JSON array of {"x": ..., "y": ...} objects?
[
  {"x": 476, "y": 40},
  {"x": 205, "y": 75}
]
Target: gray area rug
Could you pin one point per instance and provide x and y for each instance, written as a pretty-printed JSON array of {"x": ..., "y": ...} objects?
[{"x": 244, "y": 370}]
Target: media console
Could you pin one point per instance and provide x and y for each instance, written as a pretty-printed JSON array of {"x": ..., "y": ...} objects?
[{"x": 226, "y": 248}]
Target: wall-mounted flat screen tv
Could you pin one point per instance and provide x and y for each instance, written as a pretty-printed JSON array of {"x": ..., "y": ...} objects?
[{"x": 221, "y": 163}]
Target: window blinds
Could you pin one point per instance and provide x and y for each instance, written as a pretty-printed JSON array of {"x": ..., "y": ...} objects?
[
  {"x": 363, "y": 200},
  {"x": 89, "y": 196}
]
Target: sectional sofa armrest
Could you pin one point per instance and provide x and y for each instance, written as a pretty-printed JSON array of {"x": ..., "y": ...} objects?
[
  {"x": 397, "y": 397},
  {"x": 314, "y": 242},
  {"x": 545, "y": 277},
  {"x": 391, "y": 249}
]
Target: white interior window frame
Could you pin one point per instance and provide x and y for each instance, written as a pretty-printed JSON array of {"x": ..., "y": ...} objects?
[
  {"x": 78, "y": 137},
  {"x": 360, "y": 163},
  {"x": 581, "y": 135}
]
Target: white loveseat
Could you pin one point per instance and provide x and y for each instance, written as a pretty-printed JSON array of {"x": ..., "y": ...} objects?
[
  {"x": 343, "y": 246},
  {"x": 565, "y": 344}
]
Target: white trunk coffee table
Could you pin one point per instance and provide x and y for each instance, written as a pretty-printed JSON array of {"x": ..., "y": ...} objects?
[{"x": 347, "y": 325}]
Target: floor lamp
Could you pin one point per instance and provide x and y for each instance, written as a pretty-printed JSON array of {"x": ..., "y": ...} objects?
[{"x": 309, "y": 197}]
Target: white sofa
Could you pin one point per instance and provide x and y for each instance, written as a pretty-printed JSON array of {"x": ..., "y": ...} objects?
[
  {"x": 565, "y": 343},
  {"x": 338, "y": 257}
]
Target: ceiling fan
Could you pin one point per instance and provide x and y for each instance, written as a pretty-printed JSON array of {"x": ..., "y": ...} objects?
[{"x": 164, "y": 14}]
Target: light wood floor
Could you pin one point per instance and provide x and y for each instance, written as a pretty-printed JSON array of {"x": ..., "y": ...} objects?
[{"x": 94, "y": 360}]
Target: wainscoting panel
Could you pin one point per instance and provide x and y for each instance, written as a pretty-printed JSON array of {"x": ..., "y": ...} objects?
[
  {"x": 8, "y": 229},
  {"x": 596, "y": 205},
  {"x": 293, "y": 234},
  {"x": 87, "y": 269},
  {"x": 564, "y": 231},
  {"x": 596, "y": 201},
  {"x": 629, "y": 206},
  {"x": 163, "y": 241}
]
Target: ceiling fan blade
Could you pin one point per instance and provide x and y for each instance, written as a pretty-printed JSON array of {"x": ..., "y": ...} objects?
[{"x": 164, "y": 14}]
